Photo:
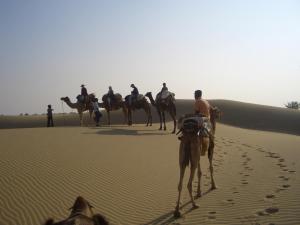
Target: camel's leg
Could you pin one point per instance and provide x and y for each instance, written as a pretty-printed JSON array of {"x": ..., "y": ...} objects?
[
  {"x": 80, "y": 118},
  {"x": 164, "y": 120},
  {"x": 125, "y": 114},
  {"x": 195, "y": 157},
  {"x": 149, "y": 117},
  {"x": 90, "y": 120},
  {"x": 129, "y": 117},
  {"x": 160, "y": 119},
  {"x": 210, "y": 158},
  {"x": 182, "y": 170},
  {"x": 108, "y": 116},
  {"x": 199, "y": 180},
  {"x": 174, "y": 119}
]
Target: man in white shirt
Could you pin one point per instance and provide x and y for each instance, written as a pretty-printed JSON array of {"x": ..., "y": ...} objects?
[{"x": 96, "y": 111}]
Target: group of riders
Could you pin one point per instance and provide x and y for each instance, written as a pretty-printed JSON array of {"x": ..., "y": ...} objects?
[
  {"x": 201, "y": 106},
  {"x": 84, "y": 97}
]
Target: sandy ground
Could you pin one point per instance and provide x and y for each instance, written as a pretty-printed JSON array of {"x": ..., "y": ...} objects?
[{"x": 130, "y": 175}]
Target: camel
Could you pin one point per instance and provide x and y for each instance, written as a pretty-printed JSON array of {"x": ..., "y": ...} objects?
[
  {"x": 80, "y": 107},
  {"x": 141, "y": 103},
  {"x": 81, "y": 213},
  {"x": 162, "y": 106},
  {"x": 115, "y": 105},
  {"x": 191, "y": 147}
]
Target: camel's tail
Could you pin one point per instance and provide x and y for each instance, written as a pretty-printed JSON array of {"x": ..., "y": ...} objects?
[{"x": 187, "y": 154}]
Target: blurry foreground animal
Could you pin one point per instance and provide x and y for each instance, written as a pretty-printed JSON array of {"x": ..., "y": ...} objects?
[{"x": 81, "y": 214}]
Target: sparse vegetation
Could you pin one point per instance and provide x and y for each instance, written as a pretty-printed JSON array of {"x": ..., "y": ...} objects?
[{"x": 293, "y": 105}]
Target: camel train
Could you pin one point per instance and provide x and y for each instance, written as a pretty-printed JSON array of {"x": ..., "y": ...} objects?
[
  {"x": 162, "y": 105},
  {"x": 197, "y": 134}
]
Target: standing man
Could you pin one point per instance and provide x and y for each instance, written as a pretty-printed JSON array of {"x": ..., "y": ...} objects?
[
  {"x": 49, "y": 117},
  {"x": 96, "y": 111},
  {"x": 110, "y": 96}
]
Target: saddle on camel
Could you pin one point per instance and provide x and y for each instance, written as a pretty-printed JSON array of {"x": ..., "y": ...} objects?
[
  {"x": 165, "y": 96},
  {"x": 85, "y": 98},
  {"x": 197, "y": 138}
]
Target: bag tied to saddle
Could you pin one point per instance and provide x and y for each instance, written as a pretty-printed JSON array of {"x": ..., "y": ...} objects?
[{"x": 193, "y": 124}]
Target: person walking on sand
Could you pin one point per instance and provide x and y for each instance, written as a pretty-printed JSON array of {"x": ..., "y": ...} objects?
[
  {"x": 96, "y": 111},
  {"x": 49, "y": 117}
]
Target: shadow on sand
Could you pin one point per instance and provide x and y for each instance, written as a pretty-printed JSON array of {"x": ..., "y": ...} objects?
[
  {"x": 169, "y": 218},
  {"x": 123, "y": 131}
]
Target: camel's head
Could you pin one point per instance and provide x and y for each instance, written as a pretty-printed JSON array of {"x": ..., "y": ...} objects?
[
  {"x": 81, "y": 206},
  {"x": 148, "y": 94},
  {"x": 65, "y": 99},
  {"x": 215, "y": 112}
]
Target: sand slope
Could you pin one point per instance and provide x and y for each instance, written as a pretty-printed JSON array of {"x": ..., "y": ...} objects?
[
  {"x": 239, "y": 114},
  {"x": 130, "y": 175}
]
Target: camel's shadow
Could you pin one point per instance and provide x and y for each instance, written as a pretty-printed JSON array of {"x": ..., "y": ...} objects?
[
  {"x": 168, "y": 218},
  {"x": 120, "y": 131}
]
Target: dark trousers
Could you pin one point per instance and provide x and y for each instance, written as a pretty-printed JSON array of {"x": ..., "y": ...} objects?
[
  {"x": 50, "y": 121},
  {"x": 97, "y": 117}
]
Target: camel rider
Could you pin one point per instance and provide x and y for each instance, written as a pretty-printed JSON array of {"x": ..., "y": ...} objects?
[
  {"x": 164, "y": 88},
  {"x": 84, "y": 94},
  {"x": 164, "y": 91},
  {"x": 110, "y": 96},
  {"x": 202, "y": 108},
  {"x": 134, "y": 94}
]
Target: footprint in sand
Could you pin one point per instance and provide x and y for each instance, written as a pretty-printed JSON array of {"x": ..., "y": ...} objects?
[
  {"x": 286, "y": 186},
  {"x": 228, "y": 201},
  {"x": 272, "y": 210},
  {"x": 292, "y": 171},
  {"x": 284, "y": 178},
  {"x": 270, "y": 196},
  {"x": 212, "y": 215},
  {"x": 279, "y": 190}
]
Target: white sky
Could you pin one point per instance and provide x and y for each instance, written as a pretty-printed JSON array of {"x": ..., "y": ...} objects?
[{"x": 239, "y": 50}]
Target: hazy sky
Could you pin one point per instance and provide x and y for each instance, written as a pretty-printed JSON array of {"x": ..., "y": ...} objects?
[{"x": 238, "y": 50}]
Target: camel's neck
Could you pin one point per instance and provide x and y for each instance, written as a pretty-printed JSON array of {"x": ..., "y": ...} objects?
[
  {"x": 213, "y": 123},
  {"x": 71, "y": 105},
  {"x": 152, "y": 100}
]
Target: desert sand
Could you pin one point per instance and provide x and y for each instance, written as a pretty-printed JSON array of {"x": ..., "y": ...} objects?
[{"x": 130, "y": 174}]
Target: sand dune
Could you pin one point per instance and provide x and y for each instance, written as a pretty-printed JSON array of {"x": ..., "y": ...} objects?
[
  {"x": 239, "y": 114},
  {"x": 130, "y": 174}
]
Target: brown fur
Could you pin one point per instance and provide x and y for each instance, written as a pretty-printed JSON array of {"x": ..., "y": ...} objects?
[
  {"x": 115, "y": 105},
  {"x": 197, "y": 146},
  {"x": 161, "y": 107},
  {"x": 81, "y": 213},
  {"x": 80, "y": 107}
]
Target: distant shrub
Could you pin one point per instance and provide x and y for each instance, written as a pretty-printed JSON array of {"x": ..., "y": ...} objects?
[
  {"x": 293, "y": 105},
  {"x": 26, "y": 114}
]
